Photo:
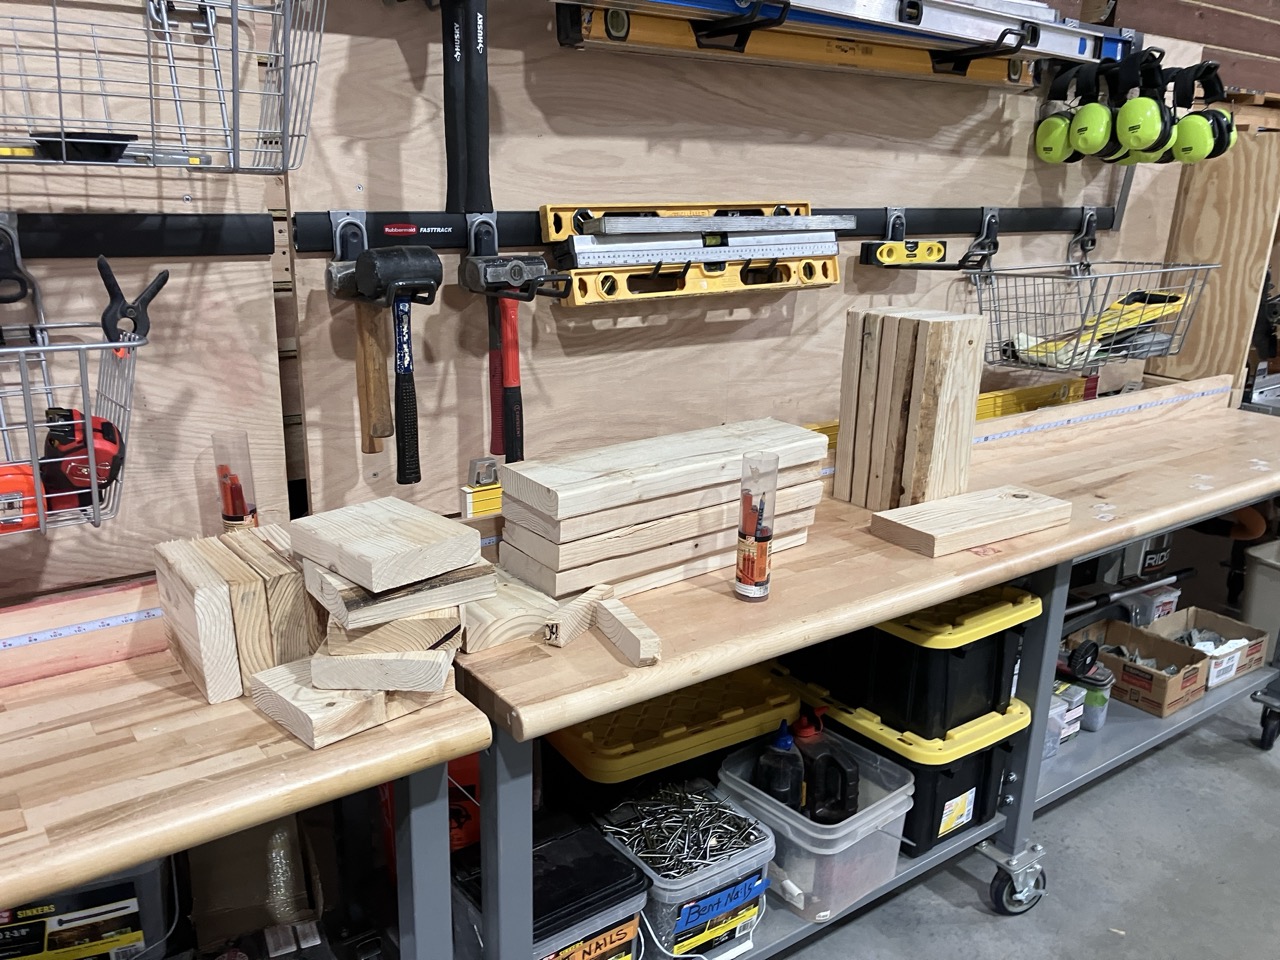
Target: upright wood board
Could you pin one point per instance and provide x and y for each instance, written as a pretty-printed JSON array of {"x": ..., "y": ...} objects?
[{"x": 296, "y": 631}]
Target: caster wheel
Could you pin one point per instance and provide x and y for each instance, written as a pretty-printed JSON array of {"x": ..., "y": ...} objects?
[
  {"x": 1270, "y": 729},
  {"x": 1004, "y": 899}
]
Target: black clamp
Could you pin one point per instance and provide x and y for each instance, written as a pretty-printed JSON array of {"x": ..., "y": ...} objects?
[
  {"x": 740, "y": 27},
  {"x": 119, "y": 309},
  {"x": 1010, "y": 42}
]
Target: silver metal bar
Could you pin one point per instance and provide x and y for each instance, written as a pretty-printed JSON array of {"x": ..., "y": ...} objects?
[
  {"x": 620, "y": 226},
  {"x": 422, "y": 865},
  {"x": 1040, "y": 643},
  {"x": 607, "y": 251},
  {"x": 506, "y": 848}
]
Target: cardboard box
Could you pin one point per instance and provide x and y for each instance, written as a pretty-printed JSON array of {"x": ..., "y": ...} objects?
[
  {"x": 1147, "y": 689},
  {"x": 1230, "y": 665}
]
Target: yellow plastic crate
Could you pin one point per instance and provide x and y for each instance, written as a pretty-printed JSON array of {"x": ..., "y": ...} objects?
[
  {"x": 959, "y": 741},
  {"x": 963, "y": 620},
  {"x": 1004, "y": 403},
  {"x": 678, "y": 726}
]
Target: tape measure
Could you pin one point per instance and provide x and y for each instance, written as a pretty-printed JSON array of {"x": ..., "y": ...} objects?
[
  {"x": 893, "y": 253},
  {"x": 79, "y": 629}
]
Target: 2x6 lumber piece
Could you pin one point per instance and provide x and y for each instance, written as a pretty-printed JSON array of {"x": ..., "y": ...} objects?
[
  {"x": 420, "y": 671},
  {"x": 291, "y": 616},
  {"x": 351, "y": 605},
  {"x": 897, "y": 411},
  {"x": 944, "y": 396},
  {"x": 952, "y": 524},
  {"x": 575, "y": 617},
  {"x": 850, "y": 373},
  {"x": 866, "y": 407},
  {"x": 650, "y": 534},
  {"x": 581, "y": 483},
  {"x": 561, "y": 583},
  {"x": 321, "y": 717},
  {"x": 410, "y": 635},
  {"x": 638, "y": 643},
  {"x": 248, "y": 607},
  {"x": 385, "y": 543},
  {"x": 615, "y": 518},
  {"x": 515, "y": 612},
  {"x": 699, "y": 566},
  {"x": 197, "y": 605}
]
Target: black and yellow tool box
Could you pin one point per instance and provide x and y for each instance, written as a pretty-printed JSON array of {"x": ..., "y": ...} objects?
[
  {"x": 959, "y": 777},
  {"x": 931, "y": 671}
]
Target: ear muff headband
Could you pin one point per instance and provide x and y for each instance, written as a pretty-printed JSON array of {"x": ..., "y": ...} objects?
[{"x": 1052, "y": 139}]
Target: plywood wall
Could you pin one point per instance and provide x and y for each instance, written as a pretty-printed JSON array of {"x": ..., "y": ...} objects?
[{"x": 576, "y": 126}]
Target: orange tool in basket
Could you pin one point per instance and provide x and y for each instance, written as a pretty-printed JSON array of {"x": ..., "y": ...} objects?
[{"x": 17, "y": 498}]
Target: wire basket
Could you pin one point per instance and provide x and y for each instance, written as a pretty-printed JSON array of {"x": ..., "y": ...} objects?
[
  {"x": 57, "y": 389},
  {"x": 1081, "y": 315},
  {"x": 219, "y": 85}
]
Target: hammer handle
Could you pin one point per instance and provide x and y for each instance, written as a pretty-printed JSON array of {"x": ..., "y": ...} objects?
[
  {"x": 496, "y": 431},
  {"x": 408, "y": 469},
  {"x": 512, "y": 402},
  {"x": 372, "y": 391}
]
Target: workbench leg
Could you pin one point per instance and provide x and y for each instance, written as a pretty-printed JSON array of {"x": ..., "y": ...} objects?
[
  {"x": 1011, "y": 849},
  {"x": 506, "y": 848},
  {"x": 422, "y": 865}
]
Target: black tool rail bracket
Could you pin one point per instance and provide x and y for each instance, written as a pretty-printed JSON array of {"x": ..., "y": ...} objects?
[
  {"x": 521, "y": 230},
  {"x": 740, "y": 27},
  {"x": 1008, "y": 44},
  {"x": 168, "y": 236}
]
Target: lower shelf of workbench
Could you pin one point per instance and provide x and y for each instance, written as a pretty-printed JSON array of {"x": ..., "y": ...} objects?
[
  {"x": 1129, "y": 733},
  {"x": 780, "y": 928}
]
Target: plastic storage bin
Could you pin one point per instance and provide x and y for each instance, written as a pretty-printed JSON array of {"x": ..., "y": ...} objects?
[
  {"x": 586, "y": 897},
  {"x": 1261, "y": 604},
  {"x": 945, "y": 666},
  {"x": 678, "y": 726},
  {"x": 711, "y": 912},
  {"x": 819, "y": 871},
  {"x": 1053, "y": 732},
  {"x": 959, "y": 778}
]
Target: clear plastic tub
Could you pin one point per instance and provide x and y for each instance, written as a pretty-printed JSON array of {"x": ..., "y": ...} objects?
[
  {"x": 712, "y": 912},
  {"x": 820, "y": 870},
  {"x": 1053, "y": 732}
]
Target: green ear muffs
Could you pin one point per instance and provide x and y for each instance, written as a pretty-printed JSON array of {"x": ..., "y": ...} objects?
[
  {"x": 1053, "y": 132},
  {"x": 1165, "y": 154},
  {"x": 1091, "y": 125},
  {"x": 1145, "y": 122},
  {"x": 1204, "y": 134}
]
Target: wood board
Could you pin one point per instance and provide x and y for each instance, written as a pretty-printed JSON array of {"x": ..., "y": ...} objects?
[
  {"x": 650, "y": 534},
  {"x": 248, "y": 595},
  {"x": 560, "y": 583},
  {"x": 296, "y": 631},
  {"x": 603, "y": 521},
  {"x": 699, "y": 566},
  {"x": 637, "y": 641},
  {"x": 352, "y": 606},
  {"x": 385, "y": 543},
  {"x": 1226, "y": 213},
  {"x": 974, "y": 519},
  {"x": 575, "y": 617},
  {"x": 516, "y": 611},
  {"x": 400, "y": 636},
  {"x": 411, "y": 671},
  {"x": 576, "y": 484},
  {"x": 198, "y": 616},
  {"x": 850, "y": 374}
]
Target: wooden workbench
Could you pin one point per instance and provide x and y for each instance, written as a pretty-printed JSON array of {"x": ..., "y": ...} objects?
[
  {"x": 1128, "y": 477},
  {"x": 108, "y": 767}
]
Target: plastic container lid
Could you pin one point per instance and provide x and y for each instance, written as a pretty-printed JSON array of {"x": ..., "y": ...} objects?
[
  {"x": 958, "y": 622},
  {"x": 677, "y": 726},
  {"x": 884, "y": 794},
  {"x": 576, "y": 875},
  {"x": 1267, "y": 554},
  {"x": 959, "y": 742}
]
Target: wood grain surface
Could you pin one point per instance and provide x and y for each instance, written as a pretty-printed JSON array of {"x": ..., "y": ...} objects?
[
  {"x": 126, "y": 763},
  {"x": 600, "y": 375},
  {"x": 967, "y": 520},
  {"x": 1135, "y": 481}
]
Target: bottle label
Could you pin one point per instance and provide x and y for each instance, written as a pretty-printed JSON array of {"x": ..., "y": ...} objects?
[{"x": 754, "y": 558}]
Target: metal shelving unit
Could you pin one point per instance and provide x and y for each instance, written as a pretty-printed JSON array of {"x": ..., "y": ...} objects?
[{"x": 1130, "y": 732}]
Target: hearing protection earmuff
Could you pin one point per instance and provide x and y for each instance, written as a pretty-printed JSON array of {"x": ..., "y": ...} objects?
[
  {"x": 1203, "y": 134},
  {"x": 1163, "y": 154},
  {"x": 1053, "y": 132},
  {"x": 1145, "y": 122},
  {"x": 1092, "y": 123}
]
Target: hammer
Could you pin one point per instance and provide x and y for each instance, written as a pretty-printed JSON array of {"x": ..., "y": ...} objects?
[
  {"x": 399, "y": 277},
  {"x": 372, "y": 392}
]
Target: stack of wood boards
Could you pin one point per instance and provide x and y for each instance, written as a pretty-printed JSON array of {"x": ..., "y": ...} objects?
[
  {"x": 908, "y": 391},
  {"x": 646, "y": 513}
]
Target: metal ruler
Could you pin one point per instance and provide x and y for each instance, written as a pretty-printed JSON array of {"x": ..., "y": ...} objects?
[
  {"x": 928, "y": 23},
  {"x": 627, "y": 250},
  {"x": 77, "y": 629},
  {"x": 620, "y": 226}
]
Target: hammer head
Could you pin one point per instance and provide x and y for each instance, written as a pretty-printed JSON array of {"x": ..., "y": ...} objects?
[
  {"x": 384, "y": 273},
  {"x": 340, "y": 279}
]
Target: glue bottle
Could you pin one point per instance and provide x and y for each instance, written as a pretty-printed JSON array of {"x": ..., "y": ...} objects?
[
  {"x": 779, "y": 770},
  {"x": 831, "y": 773}
]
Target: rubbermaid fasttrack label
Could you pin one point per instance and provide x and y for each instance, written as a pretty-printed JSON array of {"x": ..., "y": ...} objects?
[
  {"x": 958, "y": 811},
  {"x": 713, "y": 919}
]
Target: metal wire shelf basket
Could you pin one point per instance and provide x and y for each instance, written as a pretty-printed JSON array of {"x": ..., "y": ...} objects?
[
  {"x": 215, "y": 85},
  {"x": 1081, "y": 315}
]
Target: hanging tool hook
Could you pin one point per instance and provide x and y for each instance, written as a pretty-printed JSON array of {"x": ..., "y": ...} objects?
[
  {"x": 977, "y": 259},
  {"x": 119, "y": 309},
  {"x": 1084, "y": 242}
]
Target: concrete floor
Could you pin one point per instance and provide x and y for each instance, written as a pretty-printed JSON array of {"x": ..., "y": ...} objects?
[{"x": 1175, "y": 857}]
